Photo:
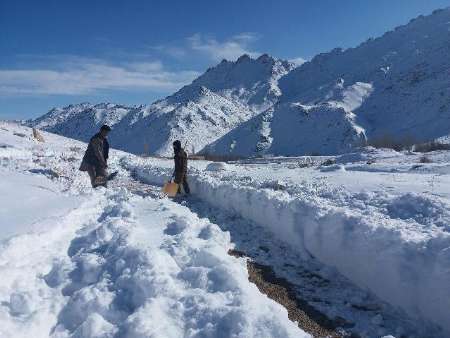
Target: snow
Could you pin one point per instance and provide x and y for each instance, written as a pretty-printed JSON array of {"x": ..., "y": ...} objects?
[
  {"x": 34, "y": 202},
  {"x": 392, "y": 87},
  {"x": 295, "y": 129},
  {"x": 115, "y": 263},
  {"x": 401, "y": 77},
  {"x": 216, "y": 166},
  {"x": 80, "y": 121},
  {"x": 198, "y": 114},
  {"x": 381, "y": 89},
  {"x": 177, "y": 276},
  {"x": 372, "y": 226},
  {"x": 194, "y": 115},
  {"x": 383, "y": 223}
]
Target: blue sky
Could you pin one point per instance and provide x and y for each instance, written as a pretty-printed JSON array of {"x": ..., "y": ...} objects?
[{"x": 54, "y": 53}]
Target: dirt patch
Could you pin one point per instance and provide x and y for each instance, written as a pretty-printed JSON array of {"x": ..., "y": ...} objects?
[{"x": 281, "y": 291}]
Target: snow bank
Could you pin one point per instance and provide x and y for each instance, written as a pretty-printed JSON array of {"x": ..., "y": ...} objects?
[
  {"x": 30, "y": 289},
  {"x": 394, "y": 245},
  {"x": 216, "y": 166},
  {"x": 117, "y": 265},
  {"x": 38, "y": 198},
  {"x": 164, "y": 276}
]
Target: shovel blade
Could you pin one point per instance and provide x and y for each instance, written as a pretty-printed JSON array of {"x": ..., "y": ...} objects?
[{"x": 170, "y": 189}]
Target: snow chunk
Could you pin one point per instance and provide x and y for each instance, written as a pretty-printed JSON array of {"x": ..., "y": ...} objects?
[{"x": 216, "y": 166}]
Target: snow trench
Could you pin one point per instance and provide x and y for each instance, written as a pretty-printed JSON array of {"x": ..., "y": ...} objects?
[{"x": 398, "y": 258}]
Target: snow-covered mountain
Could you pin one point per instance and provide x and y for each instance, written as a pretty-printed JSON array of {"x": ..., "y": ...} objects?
[
  {"x": 249, "y": 81},
  {"x": 290, "y": 129},
  {"x": 81, "y": 121},
  {"x": 395, "y": 86},
  {"x": 198, "y": 114}
]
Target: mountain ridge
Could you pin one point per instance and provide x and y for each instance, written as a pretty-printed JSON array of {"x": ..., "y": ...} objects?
[
  {"x": 214, "y": 103},
  {"x": 395, "y": 85}
]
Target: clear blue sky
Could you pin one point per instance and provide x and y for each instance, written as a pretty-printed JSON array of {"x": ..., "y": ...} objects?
[{"x": 55, "y": 53}]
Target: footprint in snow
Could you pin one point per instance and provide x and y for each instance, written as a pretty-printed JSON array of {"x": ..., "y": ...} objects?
[{"x": 176, "y": 227}]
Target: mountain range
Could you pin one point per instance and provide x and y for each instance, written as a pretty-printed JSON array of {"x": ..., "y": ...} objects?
[{"x": 395, "y": 86}]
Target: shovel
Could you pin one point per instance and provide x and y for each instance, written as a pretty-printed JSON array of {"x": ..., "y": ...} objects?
[{"x": 170, "y": 189}]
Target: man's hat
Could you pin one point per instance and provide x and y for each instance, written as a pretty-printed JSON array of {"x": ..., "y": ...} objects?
[
  {"x": 105, "y": 127},
  {"x": 177, "y": 144}
]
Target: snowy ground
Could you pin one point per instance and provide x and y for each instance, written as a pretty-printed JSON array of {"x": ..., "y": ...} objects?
[
  {"x": 365, "y": 241},
  {"x": 31, "y": 202},
  {"x": 117, "y": 264},
  {"x": 378, "y": 218}
]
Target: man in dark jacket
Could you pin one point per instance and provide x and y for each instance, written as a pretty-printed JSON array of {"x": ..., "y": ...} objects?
[
  {"x": 106, "y": 147},
  {"x": 180, "y": 171},
  {"x": 96, "y": 156}
]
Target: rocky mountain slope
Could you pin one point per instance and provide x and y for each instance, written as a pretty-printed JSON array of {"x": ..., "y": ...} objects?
[
  {"x": 198, "y": 114},
  {"x": 394, "y": 87}
]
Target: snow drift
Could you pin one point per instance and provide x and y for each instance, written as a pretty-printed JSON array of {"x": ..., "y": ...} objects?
[
  {"x": 395, "y": 245},
  {"x": 112, "y": 263}
]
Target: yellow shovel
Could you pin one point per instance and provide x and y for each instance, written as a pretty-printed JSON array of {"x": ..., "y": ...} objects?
[{"x": 170, "y": 189}]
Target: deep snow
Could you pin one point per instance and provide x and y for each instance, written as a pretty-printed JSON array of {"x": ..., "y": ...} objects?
[
  {"x": 364, "y": 239},
  {"x": 118, "y": 264},
  {"x": 381, "y": 218},
  {"x": 30, "y": 201}
]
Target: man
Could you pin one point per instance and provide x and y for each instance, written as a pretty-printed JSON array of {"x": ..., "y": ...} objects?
[
  {"x": 96, "y": 156},
  {"x": 179, "y": 173}
]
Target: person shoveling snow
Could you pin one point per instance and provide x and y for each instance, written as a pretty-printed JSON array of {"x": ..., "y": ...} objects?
[
  {"x": 179, "y": 174},
  {"x": 96, "y": 157}
]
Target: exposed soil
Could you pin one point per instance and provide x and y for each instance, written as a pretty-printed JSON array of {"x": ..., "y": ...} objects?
[{"x": 281, "y": 291}]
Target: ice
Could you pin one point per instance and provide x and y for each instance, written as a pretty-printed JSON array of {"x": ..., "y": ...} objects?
[{"x": 95, "y": 326}]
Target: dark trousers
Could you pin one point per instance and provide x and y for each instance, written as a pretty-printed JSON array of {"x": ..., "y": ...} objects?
[
  {"x": 183, "y": 182},
  {"x": 97, "y": 175}
]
